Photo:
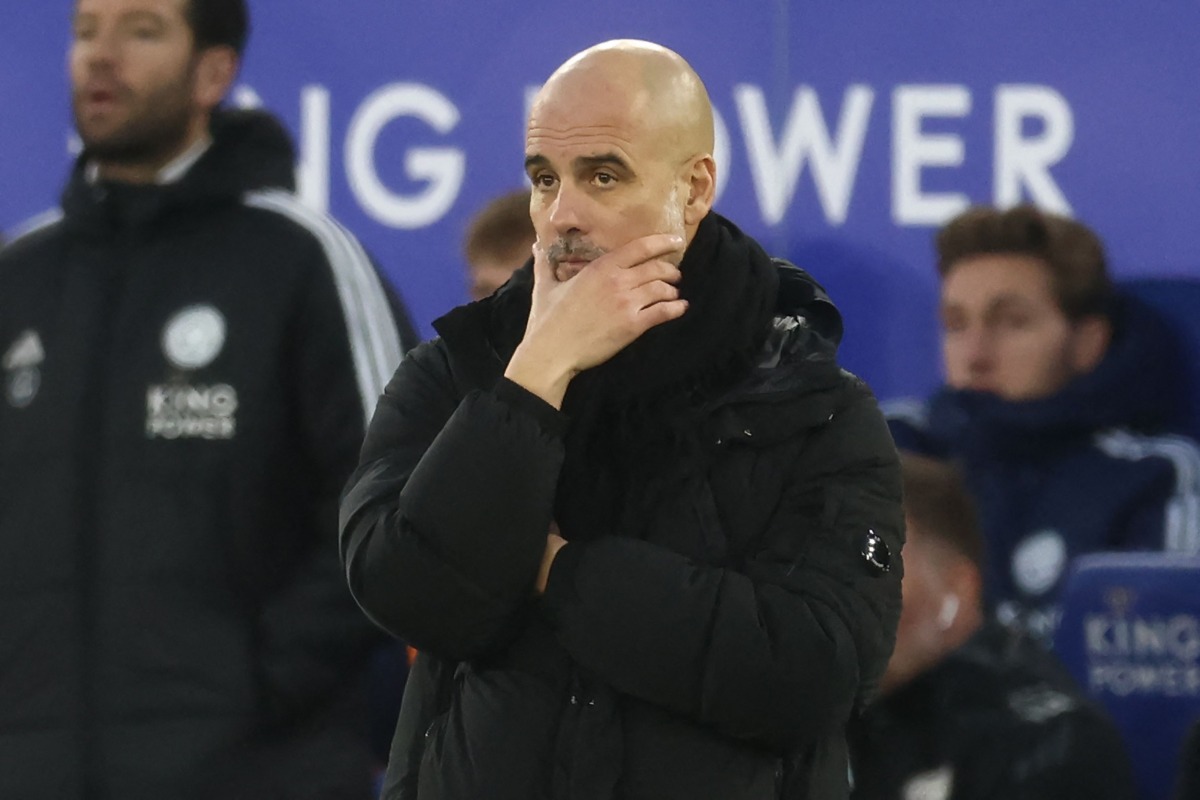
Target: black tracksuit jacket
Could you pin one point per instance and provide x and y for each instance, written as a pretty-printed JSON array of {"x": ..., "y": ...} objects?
[{"x": 187, "y": 370}]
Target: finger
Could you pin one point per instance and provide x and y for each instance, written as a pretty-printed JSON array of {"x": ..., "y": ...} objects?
[
  {"x": 645, "y": 248},
  {"x": 543, "y": 273},
  {"x": 658, "y": 313},
  {"x": 655, "y": 270},
  {"x": 654, "y": 292}
]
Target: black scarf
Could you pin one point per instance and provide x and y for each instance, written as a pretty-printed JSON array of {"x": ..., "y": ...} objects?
[{"x": 635, "y": 420}]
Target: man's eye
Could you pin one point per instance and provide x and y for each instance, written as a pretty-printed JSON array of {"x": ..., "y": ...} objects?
[
  {"x": 605, "y": 179},
  {"x": 542, "y": 181}
]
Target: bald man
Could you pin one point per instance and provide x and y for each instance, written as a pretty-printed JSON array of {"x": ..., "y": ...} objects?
[{"x": 643, "y": 530}]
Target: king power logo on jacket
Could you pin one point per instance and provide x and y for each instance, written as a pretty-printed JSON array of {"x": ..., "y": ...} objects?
[{"x": 179, "y": 409}]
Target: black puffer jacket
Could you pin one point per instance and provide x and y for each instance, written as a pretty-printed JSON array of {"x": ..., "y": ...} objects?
[{"x": 713, "y": 649}]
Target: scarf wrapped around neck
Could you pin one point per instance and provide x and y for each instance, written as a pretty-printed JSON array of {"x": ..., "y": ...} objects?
[{"x": 635, "y": 419}]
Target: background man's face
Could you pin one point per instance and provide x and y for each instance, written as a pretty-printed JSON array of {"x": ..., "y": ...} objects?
[
  {"x": 918, "y": 633},
  {"x": 132, "y": 73},
  {"x": 601, "y": 176},
  {"x": 488, "y": 273},
  {"x": 1003, "y": 331}
]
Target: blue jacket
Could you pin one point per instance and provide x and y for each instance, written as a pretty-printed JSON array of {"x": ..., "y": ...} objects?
[{"x": 1073, "y": 473}]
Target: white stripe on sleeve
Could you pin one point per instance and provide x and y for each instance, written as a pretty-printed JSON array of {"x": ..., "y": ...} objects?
[
  {"x": 374, "y": 340},
  {"x": 34, "y": 224},
  {"x": 1181, "y": 516}
]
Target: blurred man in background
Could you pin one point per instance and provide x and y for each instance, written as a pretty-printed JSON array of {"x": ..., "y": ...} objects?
[
  {"x": 498, "y": 242},
  {"x": 1056, "y": 385},
  {"x": 971, "y": 709},
  {"x": 189, "y": 358}
]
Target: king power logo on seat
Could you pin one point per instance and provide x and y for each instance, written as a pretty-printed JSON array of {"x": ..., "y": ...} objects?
[{"x": 1131, "y": 653}]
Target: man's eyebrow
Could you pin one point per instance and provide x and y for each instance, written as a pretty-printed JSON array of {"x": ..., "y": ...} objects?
[
  {"x": 535, "y": 161},
  {"x": 602, "y": 160},
  {"x": 142, "y": 14},
  {"x": 582, "y": 162},
  {"x": 1008, "y": 300}
]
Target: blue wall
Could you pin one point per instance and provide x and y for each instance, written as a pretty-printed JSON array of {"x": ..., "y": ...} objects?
[{"x": 853, "y": 128}]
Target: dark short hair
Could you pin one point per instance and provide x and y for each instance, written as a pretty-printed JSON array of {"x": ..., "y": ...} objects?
[
  {"x": 219, "y": 23},
  {"x": 501, "y": 228},
  {"x": 1072, "y": 252},
  {"x": 936, "y": 501}
]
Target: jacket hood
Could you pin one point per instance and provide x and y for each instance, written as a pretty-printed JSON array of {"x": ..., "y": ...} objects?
[
  {"x": 250, "y": 150},
  {"x": 801, "y": 296},
  {"x": 1135, "y": 386}
]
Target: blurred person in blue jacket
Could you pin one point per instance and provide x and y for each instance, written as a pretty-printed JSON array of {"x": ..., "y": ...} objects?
[
  {"x": 1057, "y": 390},
  {"x": 187, "y": 361},
  {"x": 972, "y": 709}
]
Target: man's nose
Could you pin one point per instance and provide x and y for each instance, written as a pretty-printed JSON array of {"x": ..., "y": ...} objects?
[
  {"x": 101, "y": 50},
  {"x": 980, "y": 348},
  {"x": 567, "y": 213}
]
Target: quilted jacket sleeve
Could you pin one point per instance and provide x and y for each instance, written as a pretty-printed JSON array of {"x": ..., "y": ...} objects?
[{"x": 444, "y": 523}]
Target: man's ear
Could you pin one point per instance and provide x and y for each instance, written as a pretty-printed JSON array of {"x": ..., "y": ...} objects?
[
  {"x": 216, "y": 69},
  {"x": 963, "y": 579},
  {"x": 1089, "y": 342},
  {"x": 702, "y": 188}
]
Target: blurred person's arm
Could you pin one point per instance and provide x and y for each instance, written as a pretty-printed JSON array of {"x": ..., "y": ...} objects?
[
  {"x": 314, "y": 638},
  {"x": 1163, "y": 484}
]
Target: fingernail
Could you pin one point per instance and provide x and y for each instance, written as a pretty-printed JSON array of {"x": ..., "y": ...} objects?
[{"x": 677, "y": 240}]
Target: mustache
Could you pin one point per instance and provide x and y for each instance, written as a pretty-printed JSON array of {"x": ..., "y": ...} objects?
[{"x": 572, "y": 248}]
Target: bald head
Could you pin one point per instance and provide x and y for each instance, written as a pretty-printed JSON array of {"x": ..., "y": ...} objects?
[
  {"x": 658, "y": 89},
  {"x": 619, "y": 145}
]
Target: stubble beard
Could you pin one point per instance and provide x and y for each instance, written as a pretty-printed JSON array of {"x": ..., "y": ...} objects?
[
  {"x": 155, "y": 129},
  {"x": 569, "y": 248}
]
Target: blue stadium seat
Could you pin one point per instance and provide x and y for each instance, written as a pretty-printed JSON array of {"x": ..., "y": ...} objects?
[
  {"x": 1130, "y": 634},
  {"x": 1178, "y": 301}
]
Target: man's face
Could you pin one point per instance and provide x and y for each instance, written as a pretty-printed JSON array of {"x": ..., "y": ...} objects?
[
  {"x": 1002, "y": 329},
  {"x": 601, "y": 177},
  {"x": 132, "y": 71},
  {"x": 488, "y": 273}
]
